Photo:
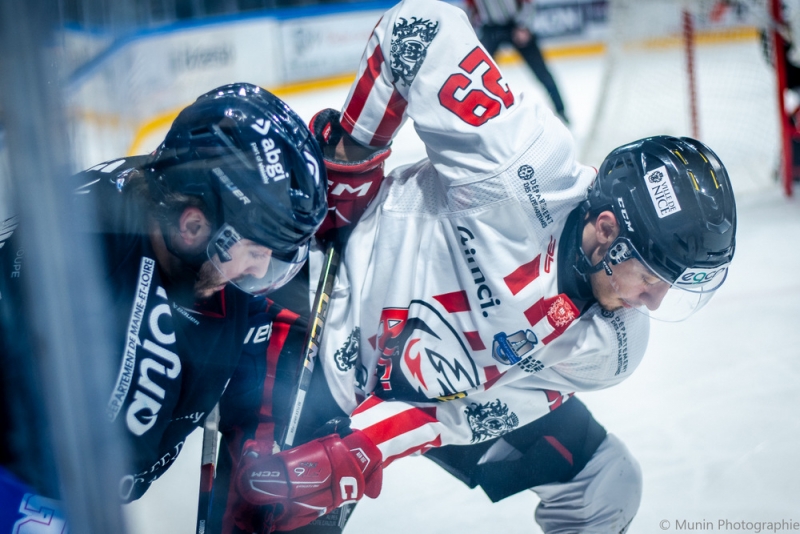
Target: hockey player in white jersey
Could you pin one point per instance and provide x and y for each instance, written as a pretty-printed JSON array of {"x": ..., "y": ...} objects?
[{"x": 489, "y": 282}]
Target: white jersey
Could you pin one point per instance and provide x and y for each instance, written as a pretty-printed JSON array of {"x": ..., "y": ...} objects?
[{"x": 451, "y": 275}]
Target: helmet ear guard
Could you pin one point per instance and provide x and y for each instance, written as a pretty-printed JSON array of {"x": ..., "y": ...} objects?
[{"x": 618, "y": 251}]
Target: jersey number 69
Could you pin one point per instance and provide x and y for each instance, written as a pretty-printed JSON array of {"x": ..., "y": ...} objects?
[{"x": 477, "y": 106}]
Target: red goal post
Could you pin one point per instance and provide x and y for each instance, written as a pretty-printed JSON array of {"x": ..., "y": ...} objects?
[{"x": 697, "y": 68}]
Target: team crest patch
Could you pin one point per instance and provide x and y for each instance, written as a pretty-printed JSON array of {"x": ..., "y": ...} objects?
[
  {"x": 490, "y": 420},
  {"x": 346, "y": 356},
  {"x": 561, "y": 313},
  {"x": 410, "y": 41}
]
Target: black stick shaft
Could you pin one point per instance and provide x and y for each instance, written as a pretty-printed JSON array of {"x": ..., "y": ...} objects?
[{"x": 319, "y": 313}]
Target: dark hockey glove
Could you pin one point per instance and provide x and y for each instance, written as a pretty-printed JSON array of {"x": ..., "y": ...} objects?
[
  {"x": 308, "y": 481},
  {"x": 352, "y": 182}
]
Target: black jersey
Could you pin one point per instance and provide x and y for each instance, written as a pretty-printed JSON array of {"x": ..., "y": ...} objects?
[{"x": 173, "y": 355}]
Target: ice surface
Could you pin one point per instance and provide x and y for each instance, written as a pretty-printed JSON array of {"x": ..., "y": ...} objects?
[{"x": 711, "y": 414}]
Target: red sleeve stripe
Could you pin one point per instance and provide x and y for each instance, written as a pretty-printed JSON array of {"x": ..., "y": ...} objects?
[
  {"x": 402, "y": 423},
  {"x": 392, "y": 118},
  {"x": 362, "y": 90},
  {"x": 374, "y": 411},
  {"x": 371, "y": 402},
  {"x": 436, "y": 442}
]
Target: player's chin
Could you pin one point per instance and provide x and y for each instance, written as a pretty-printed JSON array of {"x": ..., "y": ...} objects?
[
  {"x": 208, "y": 282},
  {"x": 206, "y": 287},
  {"x": 613, "y": 305},
  {"x": 207, "y": 292}
]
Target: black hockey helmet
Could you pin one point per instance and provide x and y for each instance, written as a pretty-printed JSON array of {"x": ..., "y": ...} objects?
[
  {"x": 257, "y": 169},
  {"x": 673, "y": 200}
]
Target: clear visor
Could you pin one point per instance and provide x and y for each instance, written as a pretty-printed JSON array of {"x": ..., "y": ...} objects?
[
  {"x": 251, "y": 267},
  {"x": 640, "y": 286}
]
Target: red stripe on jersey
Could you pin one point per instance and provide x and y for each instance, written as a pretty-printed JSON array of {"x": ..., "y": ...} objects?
[
  {"x": 560, "y": 312},
  {"x": 399, "y": 424},
  {"x": 362, "y": 90},
  {"x": 454, "y": 302},
  {"x": 371, "y": 402},
  {"x": 475, "y": 341},
  {"x": 213, "y": 306},
  {"x": 562, "y": 450},
  {"x": 492, "y": 376},
  {"x": 437, "y": 442},
  {"x": 281, "y": 325},
  {"x": 536, "y": 313},
  {"x": 555, "y": 398},
  {"x": 523, "y": 275},
  {"x": 373, "y": 341},
  {"x": 391, "y": 120}
]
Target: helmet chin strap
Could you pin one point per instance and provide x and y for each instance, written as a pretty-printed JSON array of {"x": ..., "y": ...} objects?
[{"x": 585, "y": 267}]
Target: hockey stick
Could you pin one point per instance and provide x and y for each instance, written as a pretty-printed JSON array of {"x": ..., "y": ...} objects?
[
  {"x": 207, "y": 468},
  {"x": 319, "y": 313}
]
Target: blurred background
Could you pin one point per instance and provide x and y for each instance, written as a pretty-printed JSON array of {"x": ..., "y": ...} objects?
[{"x": 85, "y": 81}]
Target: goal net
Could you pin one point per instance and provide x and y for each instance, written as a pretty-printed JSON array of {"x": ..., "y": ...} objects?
[{"x": 695, "y": 68}]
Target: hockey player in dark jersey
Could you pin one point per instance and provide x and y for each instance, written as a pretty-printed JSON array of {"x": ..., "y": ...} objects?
[{"x": 192, "y": 237}]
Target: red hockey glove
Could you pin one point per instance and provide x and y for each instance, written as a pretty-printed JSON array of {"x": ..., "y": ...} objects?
[
  {"x": 246, "y": 516},
  {"x": 250, "y": 518},
  {"x": 352, "y": 182},
  {"x": 308, "y": 481}
]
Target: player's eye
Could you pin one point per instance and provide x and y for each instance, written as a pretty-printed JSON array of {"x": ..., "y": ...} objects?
[
  {"x": 259, "y": 255},
  {"x": 650, "y": 280}
]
